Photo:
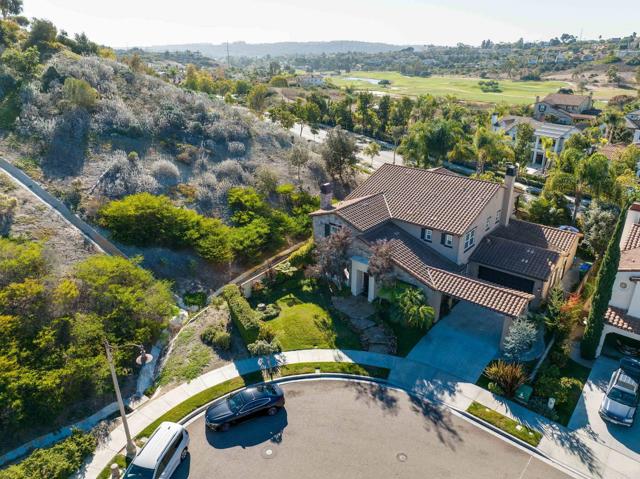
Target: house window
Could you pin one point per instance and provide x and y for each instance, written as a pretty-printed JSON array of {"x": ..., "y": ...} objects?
[
  {"x": 469, "y": 239},
  {"x": 446, "y": 240},
  {"x": 425, "y": 234},
  {"x": 498, "y": 216},
  {"x": 330, "y": 228},
  {"x": 488, "y": 225}
]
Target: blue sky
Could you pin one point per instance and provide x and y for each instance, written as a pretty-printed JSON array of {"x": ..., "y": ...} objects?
[{"x": 122, "y": 23}]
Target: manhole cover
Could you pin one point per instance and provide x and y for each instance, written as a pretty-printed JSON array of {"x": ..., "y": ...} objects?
[
  {"x": 268, "y": 453},
  {"x": 401, "y": 456}
]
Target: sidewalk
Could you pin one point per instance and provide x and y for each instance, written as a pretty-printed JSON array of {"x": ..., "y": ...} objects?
[{"x": 573, "y": 449}]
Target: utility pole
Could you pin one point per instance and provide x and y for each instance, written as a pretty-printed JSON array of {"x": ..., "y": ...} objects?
[{"x": 131, "y": 447}]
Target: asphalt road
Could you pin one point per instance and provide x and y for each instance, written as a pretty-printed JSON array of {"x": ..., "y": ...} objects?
[{"x": 334, "y": 429}]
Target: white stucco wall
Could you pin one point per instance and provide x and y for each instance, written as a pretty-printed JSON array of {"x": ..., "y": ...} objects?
[
  {"x": 414, "y": 230},
  {"x": 479, "y": 224}
]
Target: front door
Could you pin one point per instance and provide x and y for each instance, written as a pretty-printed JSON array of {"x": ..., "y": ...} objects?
[{"x": 365, "y": 284}]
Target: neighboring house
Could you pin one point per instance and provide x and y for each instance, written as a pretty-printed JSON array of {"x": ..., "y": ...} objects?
[
  {"x": 309, "y": 80},
  {"x": 623, "y": 315},
  {"x": 565, "y": 109},
  {"x": 632, "y": 122},
  {"x": 558, "y": 133},
  {"x": 451, "y": 236}
]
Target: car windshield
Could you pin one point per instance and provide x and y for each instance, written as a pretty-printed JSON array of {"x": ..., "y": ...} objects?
[
  {"x": 235, "y": 402},
  {"x": 137, "y": 472},
  {"x": 622, "y": 397},
  {"x": 269, "y": 389}
]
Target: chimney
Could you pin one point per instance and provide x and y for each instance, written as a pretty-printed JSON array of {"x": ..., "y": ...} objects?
[
  {"x": 326, "y": 195},
  {"x": 508, "y": 199},
  {"x": 537, "y": 98}
]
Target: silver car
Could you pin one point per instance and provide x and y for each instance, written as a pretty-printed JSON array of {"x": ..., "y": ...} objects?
[{"x": 623, "y": 393}]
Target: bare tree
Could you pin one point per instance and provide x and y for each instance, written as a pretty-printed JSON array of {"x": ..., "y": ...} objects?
[
  {"x": 331, "y": 256},
  {"x": 381, "y": 262}
]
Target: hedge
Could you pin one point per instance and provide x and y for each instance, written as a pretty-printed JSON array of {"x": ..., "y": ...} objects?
[
  {"x": 242, "y": 314},
  {"x": 56, "y": 462},
  {"x": 303, "y": 255},
  {"x": 603, "y": 288}
]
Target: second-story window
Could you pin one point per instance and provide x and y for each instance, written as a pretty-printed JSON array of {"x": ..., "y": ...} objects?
[
  {"x": 488, "y": 225},
  {"x": 498, "y": 216},
  {"x": 447, "y": 240},
  {"x": 469, "y": 239},
  {"x": 426, "y": 234}
]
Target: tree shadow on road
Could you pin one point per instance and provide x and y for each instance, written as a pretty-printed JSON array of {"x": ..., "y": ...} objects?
[
  {"x": 437, "y": 418},
  {"x": 375, "y": 394}
]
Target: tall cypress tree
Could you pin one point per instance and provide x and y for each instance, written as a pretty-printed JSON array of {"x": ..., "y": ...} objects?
[{"x": 604, "y": 286}]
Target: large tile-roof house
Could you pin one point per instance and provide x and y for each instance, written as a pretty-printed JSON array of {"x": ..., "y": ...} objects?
[
  {"x": 452, "y": 236},
  {"x": 565, "y": 108},
  {"x": 558, "y": 133},
  {"x": 623, "y": 315}
]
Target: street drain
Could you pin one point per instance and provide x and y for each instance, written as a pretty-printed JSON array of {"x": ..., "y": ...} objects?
[
  {"x": 268, "y": 453},
  {"x": 401, "y": 456}
]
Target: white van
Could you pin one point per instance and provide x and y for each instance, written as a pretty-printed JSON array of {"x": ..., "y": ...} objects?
[{"x": 161, "y": 455}]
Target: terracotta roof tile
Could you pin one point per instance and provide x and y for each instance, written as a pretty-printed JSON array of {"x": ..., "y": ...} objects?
[
  {"x": 537, "y": 235},
  {"x": 619, "y": 319},
  {"x": 442, "y": 275},
  {"x": 633, "y": 238},
  {"x": 515, "y": 257},
  {"x": 430, "y": 199}
]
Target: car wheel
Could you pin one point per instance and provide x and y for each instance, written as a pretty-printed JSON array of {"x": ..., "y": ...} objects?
[
  {"x": 224, "y": 427},
  {"x": 272, "y": 411},
  {"x": 184, "y": 454}
]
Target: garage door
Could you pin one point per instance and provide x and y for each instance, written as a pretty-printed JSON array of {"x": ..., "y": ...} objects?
[{"x": 506, "y": 279}]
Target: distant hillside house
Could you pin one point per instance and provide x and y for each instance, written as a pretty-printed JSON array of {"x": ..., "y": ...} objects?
[
  {"x": 558, "y": 133},
  {"x": 565, "y": 109},
  {"x": 309, "y": 80},
  {"x": 453, "y": 237},
  {"x": 632, "y": 121}
]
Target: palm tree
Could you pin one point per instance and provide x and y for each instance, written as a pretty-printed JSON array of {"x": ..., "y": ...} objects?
[
  {"x": 614, "y": 120},
  {"x": 490, "y": 147}
]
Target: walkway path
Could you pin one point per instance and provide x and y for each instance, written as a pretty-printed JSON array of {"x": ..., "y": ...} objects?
[
  {"x": 96, "y": 238},
  {"x": 374, "y": 336},
  {"x": 574, "y": 449}
]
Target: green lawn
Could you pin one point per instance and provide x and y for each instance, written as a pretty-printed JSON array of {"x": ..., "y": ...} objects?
[
  {"x": 506, "y": 424},
  {"x": 406, "y": 336},
  {"x": 465, "y": 88},
  {"x": 307, "y": 319}
]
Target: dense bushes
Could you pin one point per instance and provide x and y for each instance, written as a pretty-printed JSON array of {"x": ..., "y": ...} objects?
[
  {"x": 216, "y": 336},
  {"x": 51, "y": 352},
  {"x": 145, "y": 219},
  {"x": 243, "y": 316},
  {"x": 57, "y": 462},
  {"x": 604, "y": 285}
]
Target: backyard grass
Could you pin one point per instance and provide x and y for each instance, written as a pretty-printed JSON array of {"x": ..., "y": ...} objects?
[
  {"x": 464, "y": 88},
  {"x": 506, "y": 424},
  {"x": 307, "y": 319}
]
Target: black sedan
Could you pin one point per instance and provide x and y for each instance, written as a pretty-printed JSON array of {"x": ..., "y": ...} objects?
[{"x": 244, "y": 404}]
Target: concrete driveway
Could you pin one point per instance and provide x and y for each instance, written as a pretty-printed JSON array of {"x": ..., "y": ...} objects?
[
  {"x": 462, "y": 343},
  {"x": 336, "y": 429},
  {"x": 586, "y": 420}
]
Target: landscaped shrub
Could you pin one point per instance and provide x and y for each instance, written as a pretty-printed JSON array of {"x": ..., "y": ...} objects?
[
  {"x": 217, "y": 337},
  {"x": 271, "y": 311},
  {"x": 521, "y": 336},
  {"x": 197, "y": 298},
  {"x": 243, "y": 316},
  {"x": 57, "y": 462},
  {"x": 509, "y": 376},
  {"x": 303, "y": 255}
]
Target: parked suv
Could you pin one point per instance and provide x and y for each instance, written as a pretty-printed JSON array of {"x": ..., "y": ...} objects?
[
  {"x": 623, "y": 394},
  {"x": 162, "y": 453}
]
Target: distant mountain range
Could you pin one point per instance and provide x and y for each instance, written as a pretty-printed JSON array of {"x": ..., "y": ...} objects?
[{"x": 242, "y": 49}]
